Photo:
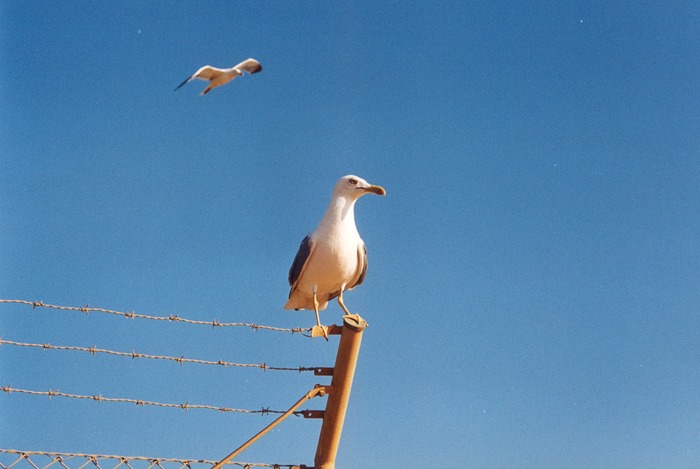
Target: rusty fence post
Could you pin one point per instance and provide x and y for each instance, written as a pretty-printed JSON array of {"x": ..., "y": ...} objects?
[
  {"x": 341, "y": 384},
  {"x": 338, "y": 397}
]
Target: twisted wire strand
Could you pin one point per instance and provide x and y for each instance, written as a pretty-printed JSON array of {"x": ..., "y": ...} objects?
[
  {"x": 186, "y": 406},
  {"x": 95, "y": 459},
  {"x": 94, "y": 350},
  {"x": 306, "y": 332}
]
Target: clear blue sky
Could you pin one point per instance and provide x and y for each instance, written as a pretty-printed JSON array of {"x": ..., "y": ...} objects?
[{"x": 533, "y": 291}]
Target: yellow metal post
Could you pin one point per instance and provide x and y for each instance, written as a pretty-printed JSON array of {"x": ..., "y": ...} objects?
[{"x": 343, "y": 374}]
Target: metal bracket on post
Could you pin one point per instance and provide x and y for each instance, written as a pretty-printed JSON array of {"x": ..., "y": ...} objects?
[
  {"x": 317, "y": 391},
  {"x": 321, "y": 371},
  {"x": 325, "y": 331}
]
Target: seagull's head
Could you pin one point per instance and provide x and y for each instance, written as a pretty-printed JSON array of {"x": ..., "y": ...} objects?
[{"x": 354, "y": 187}]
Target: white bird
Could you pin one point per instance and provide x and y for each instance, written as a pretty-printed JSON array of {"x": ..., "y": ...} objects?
[
  {"x": 221, "y": 76},
  {"x": 333, "y": 258}
]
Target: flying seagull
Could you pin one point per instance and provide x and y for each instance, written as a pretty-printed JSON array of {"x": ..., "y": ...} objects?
[
  {"x": 221, "y": 76},
  {"x": 333, "y": 258}
]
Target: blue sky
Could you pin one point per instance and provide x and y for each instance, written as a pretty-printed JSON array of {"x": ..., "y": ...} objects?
[{"x": 533, "y": 291}]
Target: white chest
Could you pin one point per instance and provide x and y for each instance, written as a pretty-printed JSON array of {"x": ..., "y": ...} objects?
[{"x": 334, "y": 261}]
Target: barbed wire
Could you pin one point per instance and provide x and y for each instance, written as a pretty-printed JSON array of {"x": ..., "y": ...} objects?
[
  {"x": 186, "y": 406},
  {"x": 94, "y": 350},
  {"x": 147, "y": 462},
  {"x": 306, "y": 332}
]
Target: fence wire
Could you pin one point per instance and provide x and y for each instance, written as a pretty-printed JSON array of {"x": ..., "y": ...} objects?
[
  {"x": 306, "y": 332},
  {"x": 94, "y": 350},
  {"x": 14, "y": 459},
  {"x": 186, "y": 406}
]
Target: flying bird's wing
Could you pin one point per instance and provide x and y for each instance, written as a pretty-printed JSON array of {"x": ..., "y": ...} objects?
[
  {"x": 187, "y": 80},
  {"x": 205, "y": 73},
  {"x": 249, "y": 65},
  {"x": 300, "y": 262}
]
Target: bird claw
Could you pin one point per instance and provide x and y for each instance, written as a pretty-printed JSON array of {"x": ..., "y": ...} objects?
[
  {"x": 320, "y": 331},
  {"x": 355, "y": 320}
]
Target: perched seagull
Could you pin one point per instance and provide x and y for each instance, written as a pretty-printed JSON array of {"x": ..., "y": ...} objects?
[
  {"x": 333, "y": 258},
  {"x": 221, "y": 76}
]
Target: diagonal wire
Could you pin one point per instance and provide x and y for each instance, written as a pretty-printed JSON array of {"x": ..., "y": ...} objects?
[
  {"x": 60, "y": 458},
  {"x": 94, "y": 350},
  {"x": 186, "y": 406},
  {"x": 306, "y": 332}
]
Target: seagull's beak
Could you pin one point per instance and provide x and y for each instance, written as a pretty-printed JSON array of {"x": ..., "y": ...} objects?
[{"x": 379, "y": 190}]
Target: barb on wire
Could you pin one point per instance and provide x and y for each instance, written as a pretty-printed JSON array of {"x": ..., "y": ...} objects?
[
  {"x": 94, "y": 350},
  {"x": 144, "y": 462},
  {"x": 306, "y": 332},
  {"x": 186, "y": 406}
]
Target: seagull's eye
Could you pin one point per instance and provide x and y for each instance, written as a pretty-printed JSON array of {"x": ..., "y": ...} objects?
[{"x": 352, "y": 181}]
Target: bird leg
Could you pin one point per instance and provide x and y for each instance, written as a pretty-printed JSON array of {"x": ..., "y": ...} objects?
[
  {"x": 342, "y": 305},
  {"x": 324, "y": 330},
  {"x": 318, "y": 318},
  {"x": 340, "y": 302}
]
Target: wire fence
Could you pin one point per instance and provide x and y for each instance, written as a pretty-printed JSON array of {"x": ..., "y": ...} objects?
[
  {"x": 15, "y": 459},
  {"x": 305, "y": 332},
  {"x": 186, "y": 406},
  {"x": 94, "y": 350}
]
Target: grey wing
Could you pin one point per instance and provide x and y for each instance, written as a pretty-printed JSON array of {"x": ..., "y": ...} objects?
[
  {"x": 249, "y": 65},
  {"x": 300, "y": 262},
  {"x": 361, "y": 264}
]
